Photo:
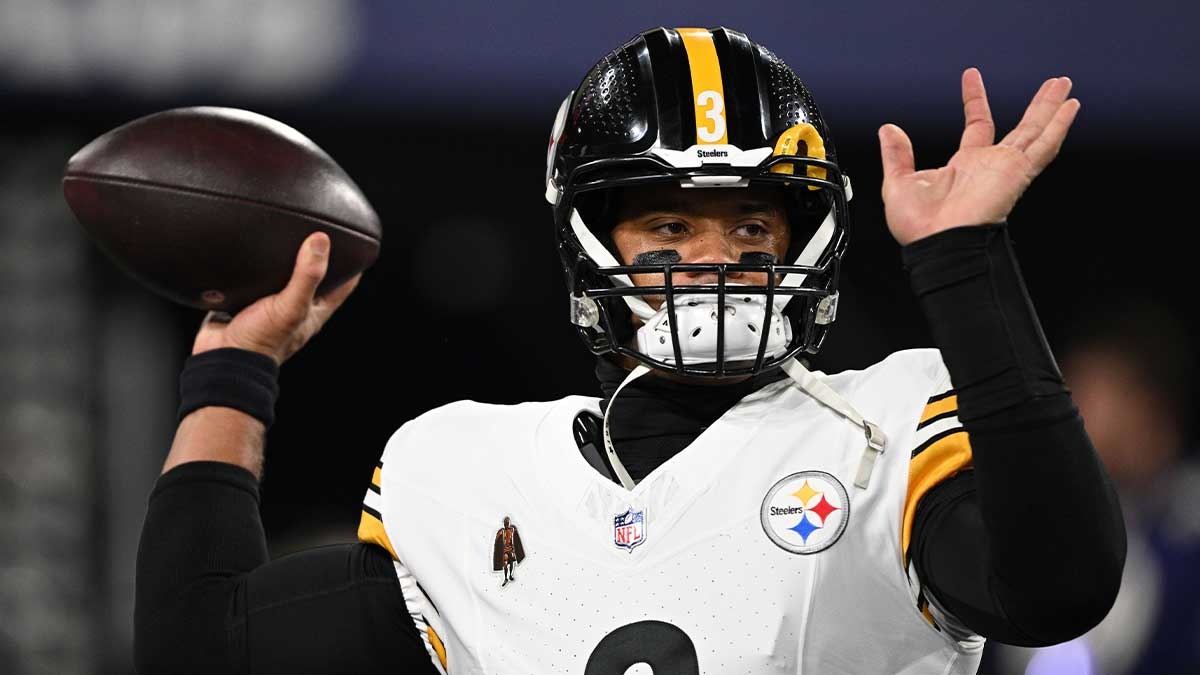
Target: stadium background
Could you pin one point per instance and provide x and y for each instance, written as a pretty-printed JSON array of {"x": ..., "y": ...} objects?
[{"x": 440, "y": 112}]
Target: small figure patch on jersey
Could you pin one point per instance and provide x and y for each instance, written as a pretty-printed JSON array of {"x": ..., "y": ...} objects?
[
  {"x": 507, "y": 551},
  {"x": 629, "y": 529},
  {"x": 805, "y": 512}
]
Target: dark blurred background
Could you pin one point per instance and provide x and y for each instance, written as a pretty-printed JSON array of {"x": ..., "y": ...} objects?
[{"x": 441, "y": 113}]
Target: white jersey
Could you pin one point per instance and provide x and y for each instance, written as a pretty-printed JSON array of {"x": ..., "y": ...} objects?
[{"x": 751, "y": 551}]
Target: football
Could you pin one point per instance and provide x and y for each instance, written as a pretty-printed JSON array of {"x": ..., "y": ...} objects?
[{"x": 208, "y": 206}]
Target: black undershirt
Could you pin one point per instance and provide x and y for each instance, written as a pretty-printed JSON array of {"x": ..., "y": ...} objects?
[
  {"x": 1031, "y": 566},
  {"x": 654, "y": 418}
]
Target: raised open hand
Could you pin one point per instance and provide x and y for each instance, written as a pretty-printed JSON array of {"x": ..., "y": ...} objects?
[{"x": 983, "y": 180}]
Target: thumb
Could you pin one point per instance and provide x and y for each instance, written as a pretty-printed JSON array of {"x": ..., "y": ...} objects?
[
  {"x": 896, "y": 151},
  {"x": 311, "y": 264}
]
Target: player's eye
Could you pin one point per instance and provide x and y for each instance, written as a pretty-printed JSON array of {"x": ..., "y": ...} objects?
[
  {"x": 752, "y": 230},
  {"x": 672, "y": 228}
]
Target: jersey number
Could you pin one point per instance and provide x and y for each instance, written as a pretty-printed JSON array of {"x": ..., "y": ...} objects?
[
  {"x": 665, "y": 648},
  {"x": 715, "y": 114}
]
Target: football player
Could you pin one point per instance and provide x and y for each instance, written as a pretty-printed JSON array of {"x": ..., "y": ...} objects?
[{"x": 721, "y": 508}]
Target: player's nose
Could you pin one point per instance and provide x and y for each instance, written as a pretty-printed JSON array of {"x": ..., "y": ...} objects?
[{"x": 709, "y": 249}]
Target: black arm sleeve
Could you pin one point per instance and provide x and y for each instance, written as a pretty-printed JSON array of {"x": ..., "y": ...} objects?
[
  {"x": 209, "y": 601},
  {"x": 1028, "y": 547}
]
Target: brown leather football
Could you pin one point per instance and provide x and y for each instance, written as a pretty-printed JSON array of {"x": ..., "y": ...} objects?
[{"x": 209, "y": 206}]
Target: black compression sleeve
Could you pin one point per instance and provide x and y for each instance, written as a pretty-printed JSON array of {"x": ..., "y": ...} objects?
[
  {"x": 1028, "y": 548},
  {"x": 335, "y": 609},
  {"x": 208, "y": 600},
  {"x": 971, "y": 291}
]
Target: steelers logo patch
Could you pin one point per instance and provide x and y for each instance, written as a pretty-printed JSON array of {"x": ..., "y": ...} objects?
[{"x": 805, "y": 512}]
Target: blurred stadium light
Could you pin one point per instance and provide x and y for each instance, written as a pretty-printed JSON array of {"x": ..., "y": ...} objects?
[
  {"x": 154, "y": 48},
  {"x": 47, "y": 495},
  {"x": 865, "y": 60}
]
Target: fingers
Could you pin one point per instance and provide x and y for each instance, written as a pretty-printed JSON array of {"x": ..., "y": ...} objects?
[
  {"x": 312, "y": 261},
  {"x": 1045, "y": 147},
  {"x": 979, "y": 131},
  {"x": 1041, "y": 111},
  {"x": 896, "y": 151}
]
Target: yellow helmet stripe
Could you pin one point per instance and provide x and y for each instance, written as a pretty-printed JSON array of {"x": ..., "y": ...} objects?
[{"x": 708, "y": 94}]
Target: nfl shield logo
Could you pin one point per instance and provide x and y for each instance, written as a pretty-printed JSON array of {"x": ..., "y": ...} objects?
[{"x": 629, "y": 529}]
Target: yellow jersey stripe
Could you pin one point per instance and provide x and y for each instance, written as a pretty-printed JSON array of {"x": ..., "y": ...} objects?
[
  {"x": 370, "y": 531},
  {"x": 944, "y": 458},
  {"x": 938, "y": 407},
  {"x": 436, "y": 642},
  {"x": 377, "y": 477},
  {"x": 928, "y": 617},
  {"x": 708, "y": 93}
]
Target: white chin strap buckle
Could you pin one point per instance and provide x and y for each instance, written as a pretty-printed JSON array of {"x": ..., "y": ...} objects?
[{"x": 696, "y": 318}]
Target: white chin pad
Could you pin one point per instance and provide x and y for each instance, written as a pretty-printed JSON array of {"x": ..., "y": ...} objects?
[{"x": 696, "y": 316}]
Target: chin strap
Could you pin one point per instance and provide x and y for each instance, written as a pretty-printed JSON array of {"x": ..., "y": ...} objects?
[
  {"x": 816, "y": 388},
  {"x": 618, "y": 467}
]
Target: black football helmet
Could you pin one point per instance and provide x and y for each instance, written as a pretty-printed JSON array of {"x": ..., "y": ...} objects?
[{"x": 701, "y": 109}]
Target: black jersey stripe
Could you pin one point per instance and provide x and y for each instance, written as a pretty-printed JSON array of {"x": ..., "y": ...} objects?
[
  {"x": 937, "y": 437},
  {"x": 944, "y": 395},
  {"x": 372, "y": 512},
  {"x": 940, "y": 416}
]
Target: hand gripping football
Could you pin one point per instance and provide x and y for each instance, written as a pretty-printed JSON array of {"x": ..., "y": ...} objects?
[{"x": 209, "y": 206}]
